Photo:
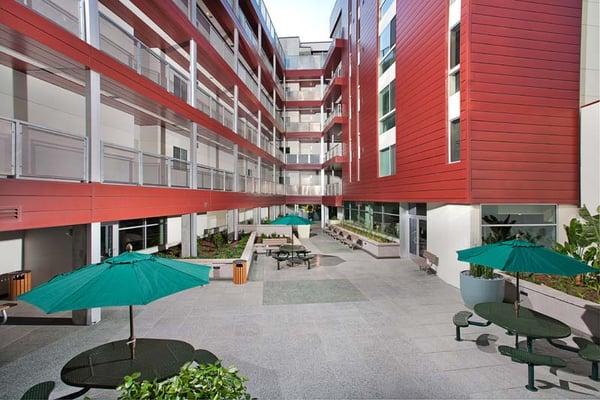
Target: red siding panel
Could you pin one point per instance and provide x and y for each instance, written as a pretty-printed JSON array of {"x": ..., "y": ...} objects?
[{"x": 524, "y": 99}]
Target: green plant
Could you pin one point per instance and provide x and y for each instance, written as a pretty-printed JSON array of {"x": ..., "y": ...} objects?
[
  {"x": 583, "y": 243},
  {"x": 211, "y": 381},
  {"x": 480, "y": 271}
]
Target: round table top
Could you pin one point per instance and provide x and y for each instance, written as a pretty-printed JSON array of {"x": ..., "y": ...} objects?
[
  {"x": 105, "y": 366},
  {"x": 528, "y": 323},
  {"x": 297, "y": 248}
]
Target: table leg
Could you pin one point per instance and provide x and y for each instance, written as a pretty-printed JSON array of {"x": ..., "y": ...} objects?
[
  {"x": 516, "y": 341},
  {"x": 75, "y": 395},
  {"x": 529, "y": 344}
]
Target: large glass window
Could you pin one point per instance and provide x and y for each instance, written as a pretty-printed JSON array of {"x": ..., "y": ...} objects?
[
  {"x": 387, "y": 61},
  {"x": 142, "y": 233},
  {"x": 387, "y": 161},
  {"x": 455, "y": 46},
  {"x": 385, "y": 5},
  {"x": 387, "y": 39},
  {"x": 455, "y": 140},
  {"x": 536, "y": 223},
  {"x": 387, "y": 99}
]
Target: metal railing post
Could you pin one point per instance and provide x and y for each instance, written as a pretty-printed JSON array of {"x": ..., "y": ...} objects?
[
  {"x": 212, "y": 179},
  {"x": 85, "y": 176},
  {"x": 140, "y": 168},
  {"x": 18, "y": 166},
  {"x": 169, "y": 171}
]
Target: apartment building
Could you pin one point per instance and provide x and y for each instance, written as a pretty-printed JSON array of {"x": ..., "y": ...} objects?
[{"x": 437, "y": 123}]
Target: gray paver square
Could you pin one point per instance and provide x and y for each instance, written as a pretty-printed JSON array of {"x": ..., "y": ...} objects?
[{"x": 310, "y": 291}]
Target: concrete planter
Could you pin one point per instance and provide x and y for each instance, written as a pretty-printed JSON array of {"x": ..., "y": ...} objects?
[
  {"x": 579, "y": 314},
  {"x": 479, "y": 290},
  {"x": 376, "y": 249}
]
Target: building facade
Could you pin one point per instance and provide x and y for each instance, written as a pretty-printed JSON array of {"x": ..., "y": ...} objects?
[{"x": 439, "y": 123}]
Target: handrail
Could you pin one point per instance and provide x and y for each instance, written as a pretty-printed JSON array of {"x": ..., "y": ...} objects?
[{"x": 336, "y": 150}]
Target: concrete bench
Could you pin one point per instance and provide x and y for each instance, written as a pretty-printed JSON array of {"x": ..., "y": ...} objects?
[
  {"x": 532, "y": 360},
  {"x": 274, "y": 241}
]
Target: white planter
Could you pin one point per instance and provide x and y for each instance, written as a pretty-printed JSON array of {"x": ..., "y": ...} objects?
[
  {"x": 376, "y": 249},
  {"x": 579, "y": 314}
]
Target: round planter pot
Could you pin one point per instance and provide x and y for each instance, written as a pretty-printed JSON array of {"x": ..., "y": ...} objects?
[{"x": 479, "y": 290}]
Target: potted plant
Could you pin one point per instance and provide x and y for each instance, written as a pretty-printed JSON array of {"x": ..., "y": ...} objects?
[
  {"x": 480, "y": 284},
  {"x": 210, "y": 381}
]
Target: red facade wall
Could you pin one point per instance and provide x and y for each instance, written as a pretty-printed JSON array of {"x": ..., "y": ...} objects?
[{"x": 524, "y": 100}]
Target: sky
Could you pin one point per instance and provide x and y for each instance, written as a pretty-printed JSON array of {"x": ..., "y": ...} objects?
[{"x": 308, "y": 19}]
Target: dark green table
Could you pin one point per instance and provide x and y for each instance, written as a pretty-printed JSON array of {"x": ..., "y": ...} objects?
[
  {"x": 105, "y": 366},
  {"x": 528, "y": 323},
  {"x": 297, "y": 248}
]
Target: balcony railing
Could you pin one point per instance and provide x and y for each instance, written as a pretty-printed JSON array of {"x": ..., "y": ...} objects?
[
  {"x": 335, "y": 151},
  {"x": 65, "y": 13},
  {"x": 214, "y": 178},
  {"x": 211, "y": 106},
  {"x": 246, "y": 27},
  {"x": 248, "y": 77},
  {"x": 267, "y": 61},
  {"x": 333, "y": 189},
  {"x": 292, "y": 126},
  {"x": 249, "y": 184},
  {"x": 247, "y": 131},
  {"x": 214, "y": 37},
  {"x": 31, "y": 151},
  {"x": 305, "y": 61},
  {"x": 303, "y": 158},
  {"x": 265, "y": 99},
  {"x": 264, "y": 13},
  {"x": 335, "y": 112},
  {"x": 132, "y": 52},
  {"x": 305, "y": 93},
  {"x": 303, "y": 190},
  {"x": 130, "y": 166}
]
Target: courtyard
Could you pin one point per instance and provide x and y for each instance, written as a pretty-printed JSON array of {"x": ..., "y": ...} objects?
[{"x": 352, "y": 327}]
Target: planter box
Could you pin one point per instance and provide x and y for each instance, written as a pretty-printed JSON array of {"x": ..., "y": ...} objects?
[
  {"x": 579, "y": 314},
  {"x": 376, "y": 249}
]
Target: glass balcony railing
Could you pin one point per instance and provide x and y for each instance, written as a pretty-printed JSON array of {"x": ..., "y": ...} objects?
[
  {"x": 214, "y": 178},
  {"x": 32, "y": 151},
  {"x": 270, "y": 28},
  {"x": 303, "y": 158},
  {"x": 246, "y": 28},
  {"x": 214, "y": 37},
  {"x": 130, "y": 51},
  {"x": 305, "y": 61},
  {"x": 130, "y": 166},
  {"x": 247, "y": 131},
  {"x": 248, "y": 77},
  {"x": 303, "y": 190},
  {"x": 333, "y": 189},
  {"x": 266, "y": 101},
  {"x": 335, "y": 151},
  {"x": 214, "y": 109},
  {"x": 63, "y": 12},
  {"x": 336, "y": 111},
  {"x": 304, "y": 93},
  {"x": 267, "y": 61},
  {"x": 293, "y": 126}
]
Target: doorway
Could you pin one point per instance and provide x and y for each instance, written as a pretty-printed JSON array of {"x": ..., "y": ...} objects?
[{"x": 417, "y": 226}]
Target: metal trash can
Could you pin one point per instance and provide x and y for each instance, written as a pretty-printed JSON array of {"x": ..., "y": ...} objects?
[{"x": 239, "y": 272}]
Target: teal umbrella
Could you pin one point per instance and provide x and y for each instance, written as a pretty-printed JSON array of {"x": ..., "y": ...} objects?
[
  {"x": 293, "y": 220},
  {"x": 523, "y": 256},
  {"x": 125, "y": 280}
]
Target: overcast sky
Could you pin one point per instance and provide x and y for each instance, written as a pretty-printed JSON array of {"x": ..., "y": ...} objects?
[{"x": 308, "y": 19}]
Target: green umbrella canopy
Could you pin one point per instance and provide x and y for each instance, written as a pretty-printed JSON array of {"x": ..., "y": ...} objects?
[
  {"x": 128, "y": 279},
  {"x": 291, "y": 220},
  {"x": 523, "y": 256}
]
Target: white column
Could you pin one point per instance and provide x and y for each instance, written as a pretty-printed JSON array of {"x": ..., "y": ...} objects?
[
  {"x": 236, "y": 109},
  {"x": 236, "y": 221},
  {"x": 259, "y": 173},
  {"x": 236, "y": 48},
  {"x": 92, "y": 96},
  {"x": 324, "y": 215},
  {"x": 236, "y": 169},
  {"x": 193, "y": 128},
  {"x": 189, "y": 229},
  {"x": 92, "y": 254}
]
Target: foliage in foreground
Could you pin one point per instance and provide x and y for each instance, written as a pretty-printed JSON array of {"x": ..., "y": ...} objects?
[
  {"x": 365, "y": 232},
  {"x": 211, "y": 381}
]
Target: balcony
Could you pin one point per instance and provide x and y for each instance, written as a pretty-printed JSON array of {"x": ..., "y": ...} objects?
[
  {"x": 214, "y": 179},
  {"x": 32, "y": 151},
  {"x": 303, "y": 93},
  {"x": 148, "y": 62},
  {"x": 63, "y": 12},
  {"x": 333, "y": 189},
  {"x": 266, "y": 101},
  {"x": 303, "y": 190},
  {"x": 214, "y": 37},
  {"x": 246, "y": 28},
  {"x": 305, "y": 61},
  {"x": 247, "y": 76},
  {"x": 303, "y": 159},
  {"x": 125, "y": 165},
  {"x": 270, "y": 29},
  {"x": 336, "y": 111},
  {"x": 211, "y": 106},
  {"x": 335, "y": 151}
]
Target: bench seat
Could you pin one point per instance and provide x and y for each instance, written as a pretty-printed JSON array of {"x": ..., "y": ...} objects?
[
  {"x": 532, "y": 360},
  {"x": 589, "y": 351}
]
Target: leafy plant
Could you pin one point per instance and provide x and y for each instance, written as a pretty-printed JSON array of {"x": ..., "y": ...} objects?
[
  {"x": 211, "y": 381},
  {"x": 480, "y": 271}
]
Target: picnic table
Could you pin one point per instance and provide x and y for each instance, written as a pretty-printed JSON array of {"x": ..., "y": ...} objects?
[
  {"x": 105, "y": 366},
  {"x": 531, "y": 324}
]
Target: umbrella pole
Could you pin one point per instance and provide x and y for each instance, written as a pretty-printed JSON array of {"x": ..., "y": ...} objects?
[
  {"x": 517, "y": 310},
  {"x": 131, "y": 341}
]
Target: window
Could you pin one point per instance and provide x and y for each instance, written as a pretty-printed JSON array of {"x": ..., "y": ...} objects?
[
  {"x": 455, "y": 46},
  {"x": 142, "y": 233},
  {"x": 387, "y": 61},
  {"x": 387, "y": 39},
  {"x": 179, "y": 155},
  {"x": 385, "y": 5},
  {"x": 387, "y": 161},
  {"x": 387, "y": 99},
  {"x": 381, "y": 217},
  {"x": 455, "y": 140},
  {"x": 454, "y": 81},
  {"x": 536, "y": 223},
  {"x": 387, "y": 123}
]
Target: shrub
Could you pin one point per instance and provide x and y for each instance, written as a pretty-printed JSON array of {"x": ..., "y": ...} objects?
[{"x": 211, "y": 381}]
